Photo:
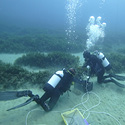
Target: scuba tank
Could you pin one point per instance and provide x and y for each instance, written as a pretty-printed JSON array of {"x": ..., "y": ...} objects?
[
  {"x": 104, "y": 60},
  {"x": 55, "y": 79}
]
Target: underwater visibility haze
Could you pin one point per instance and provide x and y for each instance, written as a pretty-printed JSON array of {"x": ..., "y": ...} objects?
[
  {"x": 67, "y": 17},
  {"x": 39, "y": 37},
  {"x": 54, "y": 13}
]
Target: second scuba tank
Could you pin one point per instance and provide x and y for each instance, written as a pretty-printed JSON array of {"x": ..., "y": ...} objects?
[
  {"x": 55, "y": 79},
  {"x": 101, "y": 56},
  {"x": 104, "y": 60}
]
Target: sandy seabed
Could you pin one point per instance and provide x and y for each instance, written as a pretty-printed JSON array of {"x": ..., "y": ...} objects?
[{"x": 104, "y": 105}]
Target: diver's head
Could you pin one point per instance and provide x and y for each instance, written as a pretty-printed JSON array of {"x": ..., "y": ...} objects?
[
  {"x": 86, "y": 54},
  {"x": 72, "y": 71}
]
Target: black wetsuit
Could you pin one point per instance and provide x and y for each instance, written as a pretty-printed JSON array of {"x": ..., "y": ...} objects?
[
  {"x": 53, "y": 94},
  {"x": 96, "y": 67}
]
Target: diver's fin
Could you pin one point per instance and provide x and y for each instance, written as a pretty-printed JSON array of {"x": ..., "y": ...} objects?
[
  {"x": 25, "y": 103},
  {"x": 117, "y": 83},
  {"x": 10, "y": 95},
  {"x": 118, "y": 77}
]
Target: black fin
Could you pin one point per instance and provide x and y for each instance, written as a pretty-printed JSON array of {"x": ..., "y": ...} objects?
[
  {"x": 10, "y": 95},
  {"x": 23, "y": 104},
  {"x": 117, "y": 83},
  {"x": 118, "y": 77}
]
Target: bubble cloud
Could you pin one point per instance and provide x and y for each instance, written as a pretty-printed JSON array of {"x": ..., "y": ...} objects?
[{"x": 95, "y": 31}]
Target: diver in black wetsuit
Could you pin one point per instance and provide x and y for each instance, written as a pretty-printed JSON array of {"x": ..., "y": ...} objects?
[
  {"x": 59, "y": 83},
  {"x": 96, "y": 67}
]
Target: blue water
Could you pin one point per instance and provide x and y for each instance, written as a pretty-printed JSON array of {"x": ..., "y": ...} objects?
[{"x": 52, "y": 13}]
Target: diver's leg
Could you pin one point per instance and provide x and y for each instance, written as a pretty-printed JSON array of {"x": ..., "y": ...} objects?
[
  {"x": 100, "y": 77},
  {"x": 107, "y": 76},
  {"x": 42, "y": 100},
  {"x": 45, "y": 97},
  {"x": 107, "y": 80},
  {"x": 53, "y": 100}
]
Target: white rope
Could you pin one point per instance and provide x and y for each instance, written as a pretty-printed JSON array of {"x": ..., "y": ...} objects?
[
  {"x": 29, "y": 113},
  {"x": 88, "y": 110}
]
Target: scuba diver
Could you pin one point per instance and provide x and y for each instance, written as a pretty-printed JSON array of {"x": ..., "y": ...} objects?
[
  {"x": 59, "y": 83},
  {"x": 98, "y": 65}
]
